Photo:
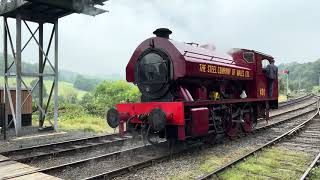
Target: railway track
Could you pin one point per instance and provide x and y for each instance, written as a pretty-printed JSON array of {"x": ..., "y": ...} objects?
[
  {"x": 40, "y": 151},
  {"x": 147, "y": 155},
  {"x": 300, "y": 130},
  {"x": 135, "y": 158},
  {"x": 295, "y": 100},
  {"x": 313, "y": 165},
  {"x": 30, "y": 153}
]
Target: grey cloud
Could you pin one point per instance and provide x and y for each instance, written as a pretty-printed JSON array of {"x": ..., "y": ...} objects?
[{"x": 285, "y": 29}]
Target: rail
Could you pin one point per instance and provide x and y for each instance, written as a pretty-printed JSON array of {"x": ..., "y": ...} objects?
[
  {"x": 150, "y": 161},
  {"x": 312, "y": 165},
  {"x": 268, "y": 144},
  {"x": 295, "y": 100}
]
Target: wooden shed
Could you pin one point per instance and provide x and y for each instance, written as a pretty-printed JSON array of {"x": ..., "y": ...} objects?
[{"x": 26, "y": 108}]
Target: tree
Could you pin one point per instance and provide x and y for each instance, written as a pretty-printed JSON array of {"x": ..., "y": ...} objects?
[
  {"x": 35, "y": 92},
  {"x": 109, "y": 93},
  {"x": 70, "y": 96},
  {"x": 305, "y": 74},
  {"x": 86, "y": 84}
]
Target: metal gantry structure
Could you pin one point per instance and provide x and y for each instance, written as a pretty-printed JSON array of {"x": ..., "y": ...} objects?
[{"x": 41, "y": 12}]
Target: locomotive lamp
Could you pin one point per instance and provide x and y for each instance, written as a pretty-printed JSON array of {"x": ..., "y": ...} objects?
[
  {"x": 113, "y": 118},
  {"x": 157, "y": 119}
]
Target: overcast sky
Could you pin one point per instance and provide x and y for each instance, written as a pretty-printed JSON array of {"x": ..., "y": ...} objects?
[{"x": 288, "y": 30}]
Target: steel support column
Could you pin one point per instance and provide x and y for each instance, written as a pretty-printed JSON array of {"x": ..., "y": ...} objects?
[
  {"x": 56, "y": 77},
  {"x": 33, "y": 11},
  {"x": 5, "y": 58},
  {"x": 18, "y": 75},
  {"x": 41, "y": 69}
]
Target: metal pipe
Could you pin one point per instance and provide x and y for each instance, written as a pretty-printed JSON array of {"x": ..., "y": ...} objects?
[{"x": 18, "y": 77}]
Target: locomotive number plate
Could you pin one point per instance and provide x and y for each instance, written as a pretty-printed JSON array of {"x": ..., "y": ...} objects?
[{"x": 262, "y": 92}]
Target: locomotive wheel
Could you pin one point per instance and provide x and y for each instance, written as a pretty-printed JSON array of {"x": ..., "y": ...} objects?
[
  {"x": 248, "y": 124},
  {"x": 232, "y": 129}
]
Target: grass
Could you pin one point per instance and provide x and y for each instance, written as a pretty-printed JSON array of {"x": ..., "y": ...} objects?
[
  {"x": 282, "y": 97},
  {"x": 210, "y": 162},
  {"x": 274, "y": 163},
  {"x": 85, "y": 123},
  {"x": 315, "y": 174}
]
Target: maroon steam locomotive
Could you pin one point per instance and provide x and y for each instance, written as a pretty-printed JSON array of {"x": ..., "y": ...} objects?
[{"x": 191, "y": 91}]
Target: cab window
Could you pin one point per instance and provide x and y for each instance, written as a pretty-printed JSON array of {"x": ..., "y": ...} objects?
[
  {"x": 264, "y": 63},
  {"x": 248, "y": 57}
]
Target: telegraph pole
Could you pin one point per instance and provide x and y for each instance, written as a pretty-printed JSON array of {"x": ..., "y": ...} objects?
[
  {"x": 287, "y": 84},
  {"x": 319, "y": 80},
  {"x": 299, "y": 83}
]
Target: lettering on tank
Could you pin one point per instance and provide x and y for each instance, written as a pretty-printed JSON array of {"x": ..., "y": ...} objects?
[{"x": 212, "y": 69}]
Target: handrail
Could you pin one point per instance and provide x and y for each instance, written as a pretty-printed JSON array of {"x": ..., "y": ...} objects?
[{"x": 211, "y": 57}]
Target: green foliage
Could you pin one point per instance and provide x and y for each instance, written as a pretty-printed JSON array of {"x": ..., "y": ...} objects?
[
  {"x": 210, "y": 161},
  {"x": 86, "y": 84},
  {"x": 35, "y": 92},
  {"x": 315, "y": 174},
  {"x": 86, "y": 123},
  {"x": 70, "y": 111},
  {"x": 316, "y": 89},
  {"x": 306, "y": 73},
  {"x": 73, "y": 117},
  {"x": 274, "y": 163},
  {"x": 70, "y": 96},
  {"x": 107, "y": 94},
  {"x": 282, "y": 86}
]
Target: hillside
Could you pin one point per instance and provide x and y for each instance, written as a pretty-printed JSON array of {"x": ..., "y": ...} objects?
[
  {"x": 64, "y": 75},
  {"x": 306, "y": 73},
  {"x": 64, "y": 87}
]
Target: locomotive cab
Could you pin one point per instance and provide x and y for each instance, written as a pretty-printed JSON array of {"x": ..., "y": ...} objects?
[{"x": 257, "y": 62}]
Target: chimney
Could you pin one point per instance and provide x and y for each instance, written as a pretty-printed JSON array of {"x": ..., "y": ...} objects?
[{"x": 162, "y": 32}]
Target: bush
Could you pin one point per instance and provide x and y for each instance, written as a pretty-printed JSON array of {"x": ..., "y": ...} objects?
[
  {"x": 86, "y": 84},
  {"x": 107, "y": 94}
]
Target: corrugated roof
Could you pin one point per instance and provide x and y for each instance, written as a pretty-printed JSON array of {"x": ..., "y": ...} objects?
[{"x": 49, "y": 10}]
